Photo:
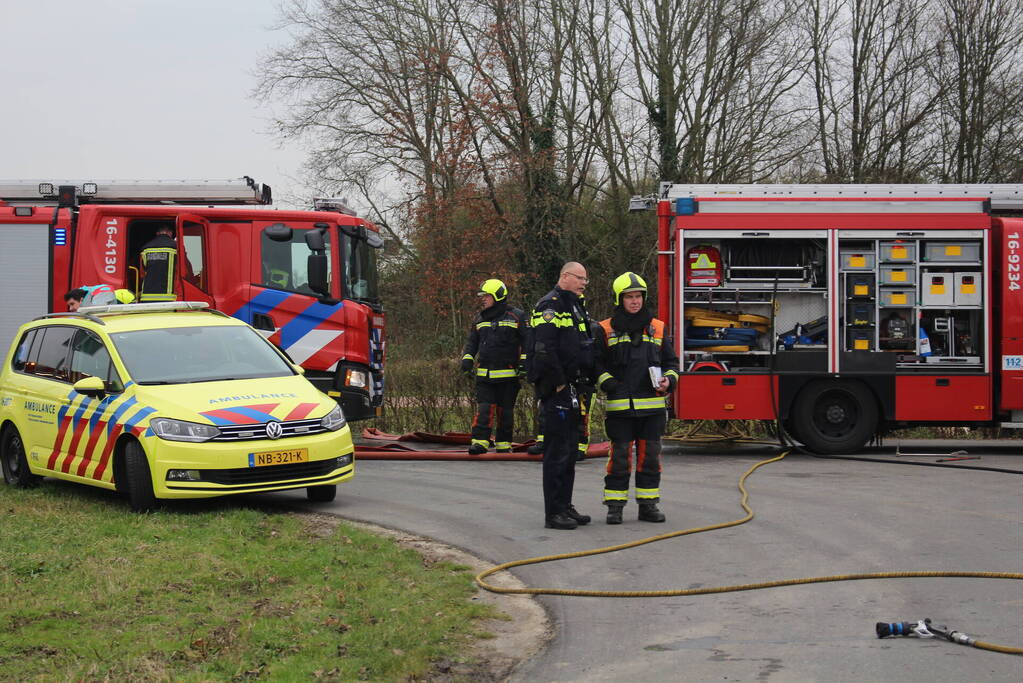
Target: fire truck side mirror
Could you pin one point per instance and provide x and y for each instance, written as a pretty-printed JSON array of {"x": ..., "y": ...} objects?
[
  {"x": 317, "y": 268},
  {"x": 278, "y": 232},
  {"x": 314, "y": 240}
]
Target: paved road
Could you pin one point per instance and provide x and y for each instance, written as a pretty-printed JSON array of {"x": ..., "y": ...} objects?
[{"x": 813, "y": 517}]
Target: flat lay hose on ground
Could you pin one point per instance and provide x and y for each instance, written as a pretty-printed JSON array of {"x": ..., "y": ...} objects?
[{"x": 480, "y": 578}]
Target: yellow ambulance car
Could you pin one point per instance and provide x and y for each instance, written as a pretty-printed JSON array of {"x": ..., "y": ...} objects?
[{"x": 165, "y": 400}]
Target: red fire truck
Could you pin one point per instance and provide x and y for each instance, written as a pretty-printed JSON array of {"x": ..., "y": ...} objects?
[
  {"x": 307, "y": 280},
  {"x": 844, "y": 310}
]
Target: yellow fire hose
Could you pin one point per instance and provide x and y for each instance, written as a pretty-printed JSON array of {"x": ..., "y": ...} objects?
[{"x": 725, "y": 589}]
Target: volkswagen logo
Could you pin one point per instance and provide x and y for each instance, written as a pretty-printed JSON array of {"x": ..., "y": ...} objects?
[{"x": 274, "y": 430}]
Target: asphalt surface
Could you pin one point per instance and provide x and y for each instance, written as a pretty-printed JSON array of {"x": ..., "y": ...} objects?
[{"x": 814, "y": 517}]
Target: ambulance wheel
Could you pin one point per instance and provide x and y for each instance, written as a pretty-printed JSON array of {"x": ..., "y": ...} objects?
[
  {"x": 835, "y": 417},
  {"x": 137, "y": 478},
  {"x": 15, "y": 464},
  {"x": 321, "y": 494}
]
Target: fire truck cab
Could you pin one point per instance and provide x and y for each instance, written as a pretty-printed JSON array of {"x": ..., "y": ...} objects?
[
  {"x": 843, "y": 310},
  {"x": 305, "y": 279}
]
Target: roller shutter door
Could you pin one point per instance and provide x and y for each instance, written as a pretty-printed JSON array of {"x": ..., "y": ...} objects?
[{"x": 24, "y": 277}]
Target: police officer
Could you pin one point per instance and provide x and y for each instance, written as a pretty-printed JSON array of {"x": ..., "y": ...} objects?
[
  {"x": 638, "y": 367},
  {"x": 561, "y": 349},
  {"x": 586, "y": 389},
  {"x": 158, "y": 262},
  {"x": 495, "y": 343}
]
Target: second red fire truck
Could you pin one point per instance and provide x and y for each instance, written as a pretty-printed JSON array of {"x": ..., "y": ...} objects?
[
  {"x": 307, "y": 280},
  {"x": 844, "y": 310}
]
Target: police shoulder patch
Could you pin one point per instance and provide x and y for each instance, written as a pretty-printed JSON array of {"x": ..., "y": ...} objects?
[{"x": 548, "y": 315}]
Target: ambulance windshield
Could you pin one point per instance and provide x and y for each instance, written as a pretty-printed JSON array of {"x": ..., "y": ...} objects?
[{"x": 181, "y": 355}]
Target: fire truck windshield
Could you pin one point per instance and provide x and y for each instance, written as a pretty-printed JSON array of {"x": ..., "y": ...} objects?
[{"x": 198, "y": 354}]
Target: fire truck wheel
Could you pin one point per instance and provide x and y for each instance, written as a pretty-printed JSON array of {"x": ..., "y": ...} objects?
[
  {"x": 137, "y": 478},
  {"x": 321, "y": 494},
  {"x": 15, "y": 465},
  {"x": 835, "y": 416}
]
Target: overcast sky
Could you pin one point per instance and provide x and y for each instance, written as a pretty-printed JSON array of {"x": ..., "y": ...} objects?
[{"x": 143, "y": 89}]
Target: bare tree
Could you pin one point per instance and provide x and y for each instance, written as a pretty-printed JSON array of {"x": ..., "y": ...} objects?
[
  {"x": 980, "y": 62},
  {"x": 718, "y": 79},
  {"x": 366, "y": 91},
  {"x": 874, "y": 95}
]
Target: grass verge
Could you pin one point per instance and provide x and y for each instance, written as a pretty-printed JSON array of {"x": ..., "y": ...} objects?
[{"x": 221, "y": 592}]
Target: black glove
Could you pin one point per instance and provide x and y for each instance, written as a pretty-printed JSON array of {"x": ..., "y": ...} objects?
[{"x": 467, "y": 365}]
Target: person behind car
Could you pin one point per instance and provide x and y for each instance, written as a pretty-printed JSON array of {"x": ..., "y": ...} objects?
[{"x": 90, "y": 295}]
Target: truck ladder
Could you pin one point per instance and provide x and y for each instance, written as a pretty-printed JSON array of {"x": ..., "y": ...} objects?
[
  {"x": 1003, "y": 197},
  {"x": 242, "y": 190}
]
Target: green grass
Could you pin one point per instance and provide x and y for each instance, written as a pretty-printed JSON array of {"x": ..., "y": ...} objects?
[{"x": 215, "y": 592}]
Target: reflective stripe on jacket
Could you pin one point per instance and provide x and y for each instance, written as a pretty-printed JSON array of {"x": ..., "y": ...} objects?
[
  {"x": 497, "y": 345},
  {"x": 624, "y": 365}
]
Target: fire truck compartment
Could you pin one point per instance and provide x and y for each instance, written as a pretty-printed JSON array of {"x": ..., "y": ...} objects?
[
  {"x": 718, "y": 396},
  {"x": 937, "y": 398},
  {"x": 25, "y": 258}
]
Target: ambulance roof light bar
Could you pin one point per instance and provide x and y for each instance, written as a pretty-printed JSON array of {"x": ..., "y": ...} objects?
[
  {"x": 1003, "y": 197},
  {"x": 234, "y": 191}
]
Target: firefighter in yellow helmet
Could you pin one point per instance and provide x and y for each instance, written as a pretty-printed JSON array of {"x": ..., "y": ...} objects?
[
  {"x": 637, "y": 368},
  {"x": 493, "y": 355}
]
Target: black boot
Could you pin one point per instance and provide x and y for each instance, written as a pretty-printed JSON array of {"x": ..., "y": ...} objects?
[
  {"x": 614, "y": 514},
  {"x": 560, "y": 520},
  {"x": 648, "y": 512},
  {"x": 579, "y": 518},
  {"x": 535, "y": 448},
  {"x": 477, "y": 449}
]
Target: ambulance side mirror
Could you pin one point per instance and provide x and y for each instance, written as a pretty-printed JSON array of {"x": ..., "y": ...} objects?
[{"x": 90, "y": 386}]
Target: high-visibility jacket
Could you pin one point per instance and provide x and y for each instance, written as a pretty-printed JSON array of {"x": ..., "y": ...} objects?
[
  {"x": 158, "y": 261},
  {"x": 495, "y": 342},
  {"x": 624, "y": 363},
  {"x": 98, "y": 295},
  {"x": 561, "y": 345}
]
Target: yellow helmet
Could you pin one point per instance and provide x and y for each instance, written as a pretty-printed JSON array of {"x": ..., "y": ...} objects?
[
  {"x": 494, "y": 288},
  {"x": 627, "y": 282},
  {"x": 124, "y": 296}
]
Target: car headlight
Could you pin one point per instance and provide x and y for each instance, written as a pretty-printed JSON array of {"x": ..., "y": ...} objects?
[
  {"x": 334, "y": 420},
  {"x": 179, "y": 430}
]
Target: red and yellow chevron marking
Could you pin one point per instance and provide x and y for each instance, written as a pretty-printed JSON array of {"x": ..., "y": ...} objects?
[{"x": 88, "y": 431}]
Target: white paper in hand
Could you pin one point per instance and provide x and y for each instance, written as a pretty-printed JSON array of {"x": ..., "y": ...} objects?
[{"x": 655, "y": 376}]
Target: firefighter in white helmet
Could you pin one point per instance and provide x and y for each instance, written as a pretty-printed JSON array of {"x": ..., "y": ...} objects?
[
  {"x": 493, "y": 355},
  {"x": 637, "y": 367}
]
